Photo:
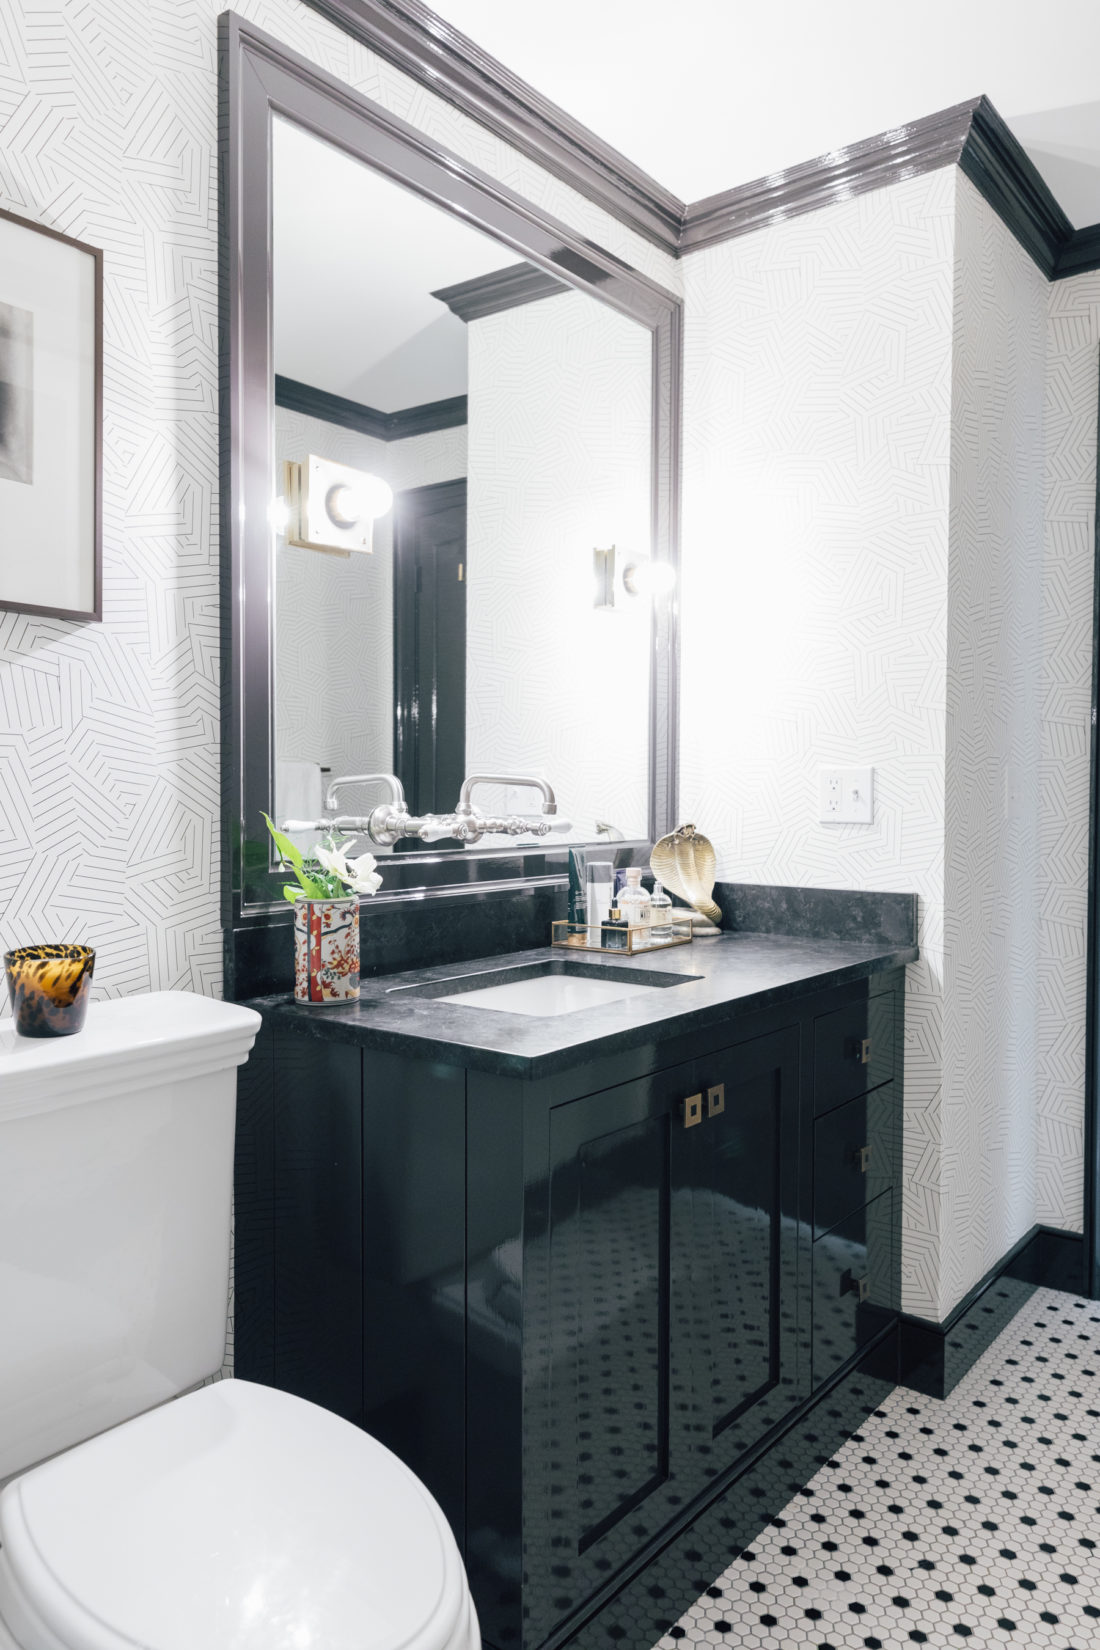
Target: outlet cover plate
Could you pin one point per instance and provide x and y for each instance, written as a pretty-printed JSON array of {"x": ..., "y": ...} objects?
[{"x": 847, "y": 796}]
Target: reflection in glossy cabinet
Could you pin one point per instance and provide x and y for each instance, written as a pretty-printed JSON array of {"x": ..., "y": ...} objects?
[{"x": 575, "y": 1305}]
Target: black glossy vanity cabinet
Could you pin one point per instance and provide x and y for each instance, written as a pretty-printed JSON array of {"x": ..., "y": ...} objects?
[{"x": 579, "y": 1288}]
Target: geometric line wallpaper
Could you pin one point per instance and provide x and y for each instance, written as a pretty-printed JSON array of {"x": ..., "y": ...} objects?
[
  {"x": 109, "y": 761},
  {"x": 991, "y": 824},
  {"x": 819, "y": 445},
  {"x": 1072, "y": 370},
  {"x": 815, "y": 550}
]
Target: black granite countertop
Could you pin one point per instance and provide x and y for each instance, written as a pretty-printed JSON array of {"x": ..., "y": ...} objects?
[{"x": 730, "y": 973}]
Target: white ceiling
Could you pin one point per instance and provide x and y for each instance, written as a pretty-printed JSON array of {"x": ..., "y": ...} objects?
[
  {"x": 356, "y": 259},
  {"x": 708, "y": 94}
]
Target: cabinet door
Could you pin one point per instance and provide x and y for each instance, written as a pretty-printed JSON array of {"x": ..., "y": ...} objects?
[
  {"x": 618, "y": 1394},
  {"x": 735, "y": 1205}
]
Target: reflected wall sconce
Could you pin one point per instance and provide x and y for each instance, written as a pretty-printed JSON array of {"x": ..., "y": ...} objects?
[
  {"x": 638, "y": 577},
  {"x": 332, "y": 507}
]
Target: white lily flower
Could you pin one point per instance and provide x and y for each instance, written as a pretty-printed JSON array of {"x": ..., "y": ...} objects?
[
  {"x": 332, "y": 860},
  {"x": 362, "y": 875}
]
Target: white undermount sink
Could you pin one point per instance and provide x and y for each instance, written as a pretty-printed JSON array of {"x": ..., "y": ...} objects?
[{"x": 550, "y": 994}]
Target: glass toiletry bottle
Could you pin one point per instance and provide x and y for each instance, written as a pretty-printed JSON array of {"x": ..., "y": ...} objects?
[
  {"x": 635, "y": 905},
  {"x": 598, "y": 876},
  {"x": 615, "y": 936},
  {"x": 660, "y": 922}
]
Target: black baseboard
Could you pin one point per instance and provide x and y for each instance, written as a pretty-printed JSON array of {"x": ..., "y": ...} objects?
[{"x": 934, "y": 1357}]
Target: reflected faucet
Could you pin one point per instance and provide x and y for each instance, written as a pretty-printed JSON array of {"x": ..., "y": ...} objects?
[
  {"x": 391, "y": 821},
  {"x": 549, "y": 801}
]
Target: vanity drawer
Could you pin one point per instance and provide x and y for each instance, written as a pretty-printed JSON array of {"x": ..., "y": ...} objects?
[
  {"x": 853, "y": 1050},
  {"x": 855, "y": 1293},
  {"x": 853, "y": 1156}
]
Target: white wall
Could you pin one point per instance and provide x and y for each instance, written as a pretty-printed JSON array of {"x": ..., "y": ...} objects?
[
  {"x": 988, "y": 1117},
  {"x": 817, "y": 444},
  {"x": 334, "y": 616},
  {"x": 1073, "y": 331},
  {"x": 559, "y": 456},
  {"x": 870, "y": 395},
  {"x": 109, "y": 760}
]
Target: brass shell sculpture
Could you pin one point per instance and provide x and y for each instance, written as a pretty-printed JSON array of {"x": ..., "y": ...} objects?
[{"x": 686, "y": 864}]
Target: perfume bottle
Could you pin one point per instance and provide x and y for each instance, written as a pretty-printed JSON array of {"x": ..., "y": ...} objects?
[
  {"x": 598, "y": 896},
  {"x": 615, "y": 931},
  {"x": 660, "y": 922},
  {"x": 635, "y": 905}
]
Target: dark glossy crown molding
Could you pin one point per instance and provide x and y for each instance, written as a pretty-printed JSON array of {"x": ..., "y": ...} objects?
[
  {"x": 971, "y": 135},
  {"x": 432, "y": 52},
  {"x": 501, "y": 289},
  {"x": 353, "y": 415}
]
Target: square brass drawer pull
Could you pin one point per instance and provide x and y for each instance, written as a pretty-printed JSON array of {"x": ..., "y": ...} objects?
[
  {"x": 859, "y": 1287},
  {"x": 691, "y": 1110},
  {"x": 716, "y": 1099},
  {"x": 861, "y": 1157},
  {"x": 863, "y": 1051}
]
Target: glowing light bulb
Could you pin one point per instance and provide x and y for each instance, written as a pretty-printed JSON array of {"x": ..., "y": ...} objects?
[{"x": 649, "y": 578}]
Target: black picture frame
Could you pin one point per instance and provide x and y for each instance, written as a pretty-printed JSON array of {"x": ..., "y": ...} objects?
[
  {"x": 43, "y": 609},
  {"x": 259, "y": 79}
]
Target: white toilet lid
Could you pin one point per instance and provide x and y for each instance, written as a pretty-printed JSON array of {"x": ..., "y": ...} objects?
[{"x": 236, "y": 1518}]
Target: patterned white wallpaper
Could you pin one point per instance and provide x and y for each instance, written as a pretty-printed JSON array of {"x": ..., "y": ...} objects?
[
  {"x": 817, "y": 437},
  {"x": 1073, "y": 333},
  {"x": 871, "y": 395},
  {"x": 109, "y": 762},
  {"x": 559, "y": 457},
  {"x": 994, "y": 663}
]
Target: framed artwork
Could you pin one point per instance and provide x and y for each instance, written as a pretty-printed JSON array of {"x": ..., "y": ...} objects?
[{"x": 51, "y": 418}]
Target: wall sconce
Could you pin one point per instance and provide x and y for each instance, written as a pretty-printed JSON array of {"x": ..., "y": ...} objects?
[
  {"x": 332, "y": 507},
  {"x": 641, "y": 577}
]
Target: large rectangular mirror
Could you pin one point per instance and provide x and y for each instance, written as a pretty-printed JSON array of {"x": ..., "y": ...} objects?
[
  {"x": 450, "y": 504},
  {"x": 508, "y": 417}
]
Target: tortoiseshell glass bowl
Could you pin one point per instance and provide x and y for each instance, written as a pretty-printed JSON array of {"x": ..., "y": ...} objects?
[{"x": 49, "y": 987}]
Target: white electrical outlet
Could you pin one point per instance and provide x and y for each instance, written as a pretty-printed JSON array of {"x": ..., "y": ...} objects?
[
  {"x": 847, "y": 796},
  {"x": 831, "y": 783}
]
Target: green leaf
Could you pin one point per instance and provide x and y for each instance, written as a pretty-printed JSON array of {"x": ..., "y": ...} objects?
[
  {"x": 286, "y": 848},
  {"x": 290, "y": 892}
]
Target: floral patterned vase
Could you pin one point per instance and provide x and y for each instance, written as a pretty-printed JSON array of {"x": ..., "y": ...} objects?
[{"x": 326, "y": 950}]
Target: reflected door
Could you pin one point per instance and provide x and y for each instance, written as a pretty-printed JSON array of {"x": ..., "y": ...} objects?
[{"x": 429, "y": 607}]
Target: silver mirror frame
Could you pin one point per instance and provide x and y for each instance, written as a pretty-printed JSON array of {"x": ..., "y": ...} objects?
[{"x": 259, "y": 79}]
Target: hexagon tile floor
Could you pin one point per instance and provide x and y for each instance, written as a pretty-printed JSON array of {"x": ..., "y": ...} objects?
[{"x": 973, "y": 1519}]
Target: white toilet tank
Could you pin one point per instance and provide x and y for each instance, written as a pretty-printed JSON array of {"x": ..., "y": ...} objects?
[{"x": 116, "y": 1172}]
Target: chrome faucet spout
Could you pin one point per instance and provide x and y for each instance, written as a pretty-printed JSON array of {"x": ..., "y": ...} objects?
[{"x": 465, "y": 806}]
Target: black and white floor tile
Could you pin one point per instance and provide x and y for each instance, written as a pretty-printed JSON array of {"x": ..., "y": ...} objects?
[{"x": 975, "y": 1519}]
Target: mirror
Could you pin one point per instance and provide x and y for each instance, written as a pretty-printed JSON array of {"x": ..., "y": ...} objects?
[{"x": 457, "y": 432}]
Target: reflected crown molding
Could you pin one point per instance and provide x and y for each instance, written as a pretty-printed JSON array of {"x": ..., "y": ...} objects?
[
  {"x": 501, "y": 289},
  {"x": 353, "y": 415},
  {"x": 971, "y": 135}
]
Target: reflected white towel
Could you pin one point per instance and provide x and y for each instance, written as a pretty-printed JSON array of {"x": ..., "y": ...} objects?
[{"x": 298, "y": 795}]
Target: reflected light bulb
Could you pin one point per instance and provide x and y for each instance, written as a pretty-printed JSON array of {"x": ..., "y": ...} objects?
[{"x": 368, "y": 497}]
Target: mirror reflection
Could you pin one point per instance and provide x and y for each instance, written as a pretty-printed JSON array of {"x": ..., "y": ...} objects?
[{"x": 463, "y": 475}]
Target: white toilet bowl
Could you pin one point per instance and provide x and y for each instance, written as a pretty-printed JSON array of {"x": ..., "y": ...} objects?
[{"x": 234, "y": 1518}]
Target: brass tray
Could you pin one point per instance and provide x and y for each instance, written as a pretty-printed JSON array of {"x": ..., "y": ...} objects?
[{"x": 617, "y": 941}]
